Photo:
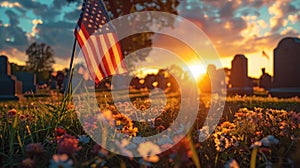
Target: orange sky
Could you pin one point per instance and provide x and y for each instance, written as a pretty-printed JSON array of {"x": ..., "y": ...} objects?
[{"x": 234, "y": 27}]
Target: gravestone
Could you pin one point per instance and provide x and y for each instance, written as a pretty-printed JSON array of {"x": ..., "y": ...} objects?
[
  {"x": 28, "y": 81},
  {"x": 9, "y": 85},
  {"x": 239, "y": 80},
  {"x": 53, "y": 84},
  {"x": 60, "y": 76},
  {"x": 160, "y": 78},
  {"x": 149, "y": 80},
  {"x": 286, "y": 81},
  {"x": 265, "y": 80}
]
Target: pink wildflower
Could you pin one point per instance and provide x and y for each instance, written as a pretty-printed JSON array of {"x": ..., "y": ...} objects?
[
  {"x": 12, "y": 113},
  {"x": 68, "y": 145}
]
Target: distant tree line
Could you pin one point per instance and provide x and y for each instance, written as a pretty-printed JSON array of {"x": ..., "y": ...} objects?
[{"x": 40, "y": 59}]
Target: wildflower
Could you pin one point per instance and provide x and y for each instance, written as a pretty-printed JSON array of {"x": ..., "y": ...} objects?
[
  {"x": 68, "y": 145},
  {"x": 59, "y": 132},
  {"x": 34, "y": 149},
  {"x": 122, "y": 147},
  {"x": 158, "y": 121},
  {"x": 203, "y": 133},
  {"x": 151, "y": 123},
  {"x": 160, "y": 128},
  {"x": 121, "y": 120},
  {"x": 227, "y": 124},
  {"x": 22, "y": 117},
  {"x": 164, "y": 140},
  {"x": 130, "y": 130},
  {"x": 97, "y": 149},
  {"x": 269, "y": 140},
  {"x": 232, "y": 163},
  {"x": 27, "y": 163},
  {"x": 295, "y": 117},
  {"x": 84, "y": 139},
  {"x": 12, "y": 113},
  {"x": 148, "y": 151},
  {"x": 283, "y": 125},
  {"x": 61, "y": 161},
  {"x": 143, "y": 107},
  {"x": 256, "y": 144}
]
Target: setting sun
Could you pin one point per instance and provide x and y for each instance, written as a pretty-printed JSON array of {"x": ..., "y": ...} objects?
[{"x": 197, "y": 71}]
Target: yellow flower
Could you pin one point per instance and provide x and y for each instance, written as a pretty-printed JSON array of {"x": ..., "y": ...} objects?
[{"x": 148, "y": 151}]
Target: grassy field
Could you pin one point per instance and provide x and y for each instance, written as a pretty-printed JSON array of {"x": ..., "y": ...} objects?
[{"x": 253, "y": 132}]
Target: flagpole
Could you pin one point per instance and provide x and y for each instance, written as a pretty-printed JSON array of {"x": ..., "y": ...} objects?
[{"x": 70, "y": 72}]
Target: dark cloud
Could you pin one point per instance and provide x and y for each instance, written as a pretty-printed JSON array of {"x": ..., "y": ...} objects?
[
  {"x": 59, "y": 3},
  {"x": 73, "y": 16},
  {"x": 227, "y": 10},
  {"x": 249, "y": 12},
  {"x": 54, "y": 32},
  {"x": 222, "y": 29},
  {"x": 224, "y": 22},
  {"x": 13, "y": 37},
  {"x": 47, "y": 13},
  {"x": 59, "y": 35},
  {"x": 13, "y": 18}
]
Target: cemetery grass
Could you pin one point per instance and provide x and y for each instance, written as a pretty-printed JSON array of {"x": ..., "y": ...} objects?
[{"x": 253, "y": 132}]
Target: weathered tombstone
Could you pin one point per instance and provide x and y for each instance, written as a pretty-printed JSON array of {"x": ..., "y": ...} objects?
[
  {"x": 60, "y": 76},
  {"x": 239, "y": 80},
  {"x": 265, "y": 80},
  {"x": 9, "y": 85},
  {"x": 172, "y": 84},
  {"x": 149, "y": 80},
  {"x": 160, "y": 78},
  {"x": 28, "y": 81},
  {"x": 286, "y": 81},
  {"x": 53, "y": 84}
]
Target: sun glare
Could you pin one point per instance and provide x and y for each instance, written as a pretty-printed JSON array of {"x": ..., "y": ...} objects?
[{"x": 197, "y": 71}]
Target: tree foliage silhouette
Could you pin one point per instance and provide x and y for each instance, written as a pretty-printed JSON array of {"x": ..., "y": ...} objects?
[{"x": 40, "y": 57}]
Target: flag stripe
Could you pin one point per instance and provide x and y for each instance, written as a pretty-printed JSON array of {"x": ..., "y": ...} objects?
[
  {"x": 110, "y": 52},
  {"x": 106, "y": 56},
  {"x": 81, "y": 40},
  {"x": 116, "y": 51}
]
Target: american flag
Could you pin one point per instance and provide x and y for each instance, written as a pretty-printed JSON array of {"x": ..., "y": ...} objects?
[
  {"x": 264, "y": 54},
  {"x": 98, "y": 41}
]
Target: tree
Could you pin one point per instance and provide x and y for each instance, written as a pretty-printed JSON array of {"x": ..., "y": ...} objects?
[
  {"x": 40, "y": 57},
  {"x": 15, "y": 68},
  {"x": 117, "y": 8}
]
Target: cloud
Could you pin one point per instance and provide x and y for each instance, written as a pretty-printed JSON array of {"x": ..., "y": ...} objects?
[
  {"x": 293, "y": 18},
  {"x": 12, "y": 36},
  {"x": 59, "y": 35},
  {"x": 73, "y": 15},
  {"x": 7, "y": 4},
  {"x": 289, "y": 30},
  {"x": 282, "y": 12},
  {"x": 49, "y": 28},
  {"x": 47, "y": 13},
  {"x": 13, "y": 17},
  {"x": 34, "y": 29},
  {"x": 243, "y": 25},
  {"x": 58, "y": 4}
]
